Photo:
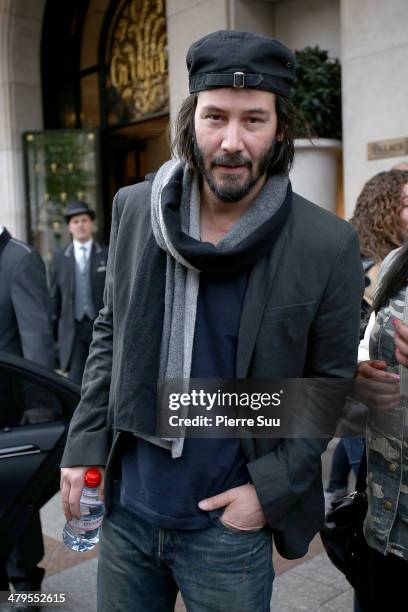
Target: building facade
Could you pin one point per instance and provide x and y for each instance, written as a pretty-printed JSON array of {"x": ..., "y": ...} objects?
[{"x": 87, "y": 89}]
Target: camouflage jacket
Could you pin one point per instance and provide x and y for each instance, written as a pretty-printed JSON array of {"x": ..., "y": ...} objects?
[{"x": 386, "y": 524}]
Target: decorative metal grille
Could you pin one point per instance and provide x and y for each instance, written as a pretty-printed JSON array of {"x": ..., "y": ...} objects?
[{"x": 137, "y": 75}]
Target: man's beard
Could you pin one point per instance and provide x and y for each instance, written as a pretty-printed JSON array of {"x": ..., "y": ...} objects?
[{"x": 229, "y": 188}]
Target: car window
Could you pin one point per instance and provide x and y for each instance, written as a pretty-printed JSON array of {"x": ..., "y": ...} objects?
[{"x": 24, "y": 402}]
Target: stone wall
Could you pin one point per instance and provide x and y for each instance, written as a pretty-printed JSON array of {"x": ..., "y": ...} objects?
[
  {"x": 20, "y": 102},
  {"x": 375, "y": 85}
]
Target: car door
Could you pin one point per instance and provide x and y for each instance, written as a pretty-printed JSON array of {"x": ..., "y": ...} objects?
[{"x": 35, "y": 409}]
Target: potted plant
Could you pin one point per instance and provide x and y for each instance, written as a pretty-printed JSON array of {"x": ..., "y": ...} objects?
[{"x": 317, "y": 95}]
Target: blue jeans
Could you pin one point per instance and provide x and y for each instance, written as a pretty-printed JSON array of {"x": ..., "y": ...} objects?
[
  {"x": 347, "y": 455},
  {"x": 142, "y": 567}
]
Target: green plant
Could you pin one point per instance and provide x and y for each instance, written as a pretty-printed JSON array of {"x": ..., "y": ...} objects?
[{"x": 317, "y": 92}]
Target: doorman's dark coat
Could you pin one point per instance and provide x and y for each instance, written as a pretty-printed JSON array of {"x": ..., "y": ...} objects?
[
  {"x": 300, "y": 318},
  {"x": 25, "y": 308},
  {"x": 63, "y": 293},
  {"x": 25, "y": 330}
]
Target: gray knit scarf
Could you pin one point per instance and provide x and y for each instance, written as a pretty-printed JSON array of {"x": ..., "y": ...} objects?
[{"x": 182, "y": 278}]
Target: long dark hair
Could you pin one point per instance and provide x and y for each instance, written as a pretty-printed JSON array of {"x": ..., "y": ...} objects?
[
  {"x": 394, "y": 279},
  {"x": 288, "y": 116}
]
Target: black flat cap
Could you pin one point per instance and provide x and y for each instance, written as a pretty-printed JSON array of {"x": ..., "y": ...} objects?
[
  {"x": 77, "y": 208},
  {"x": 228, "y": 58}
]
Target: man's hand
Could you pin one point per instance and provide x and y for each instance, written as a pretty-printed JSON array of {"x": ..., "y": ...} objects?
[
  {"x": 401, "y": 342},
  {"x": 242, "y": 508},
  {"x": 72, "y": 483}
]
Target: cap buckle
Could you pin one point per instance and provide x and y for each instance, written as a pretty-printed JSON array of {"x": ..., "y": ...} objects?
[{"x": 239, "y": 79}]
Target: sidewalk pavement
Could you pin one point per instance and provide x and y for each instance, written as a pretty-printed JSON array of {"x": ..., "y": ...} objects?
[{"x": 310, "y": 584}]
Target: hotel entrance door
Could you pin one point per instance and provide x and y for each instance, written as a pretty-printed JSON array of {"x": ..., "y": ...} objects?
[{"x": 130, "y": 152}]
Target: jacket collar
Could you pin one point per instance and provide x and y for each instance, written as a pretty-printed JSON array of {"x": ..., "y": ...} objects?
[
  {"x": 4, "y": 238},
  {"x": 256, "y": 295},
  {"x": 69, "y": 250}
]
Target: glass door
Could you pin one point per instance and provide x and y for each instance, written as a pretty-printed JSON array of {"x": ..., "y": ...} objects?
[{"x": 60, "y": 166}]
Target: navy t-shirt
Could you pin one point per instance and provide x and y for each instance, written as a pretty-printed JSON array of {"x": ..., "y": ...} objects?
[{"x": 166, "y": 491}]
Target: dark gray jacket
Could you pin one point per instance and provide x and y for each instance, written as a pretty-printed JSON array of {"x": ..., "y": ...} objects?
[
  {"x": 62, "y": 292},
  {"x": 25, "y": 308},
  {"x": 300, "y": 318}
]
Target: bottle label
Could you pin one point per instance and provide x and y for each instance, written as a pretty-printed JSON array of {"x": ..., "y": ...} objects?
[{"x": 86, "y": 524}]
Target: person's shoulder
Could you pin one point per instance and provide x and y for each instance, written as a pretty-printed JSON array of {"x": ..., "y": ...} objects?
[
  {"x": 64, "y": 252},
  {"x": 22, "y": 261},
  {"x": 139, "y": 194},
  {"x": 19, "y": 247},
  {"x": 321, "y": 237},
  {"x": 132, "y": 204},
  {"x": 317, "y": 222},
  {"x": 18, "y": 253},
  {"x": 136, "y": 194},
  {"x": 307, "y": 210}
]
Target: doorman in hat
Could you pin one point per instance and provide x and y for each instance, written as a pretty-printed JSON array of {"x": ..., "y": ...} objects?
[
  {"x": 216, "y": 270},
  {"x": 77, "y": 286}
]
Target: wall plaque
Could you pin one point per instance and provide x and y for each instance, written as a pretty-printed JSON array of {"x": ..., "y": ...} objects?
[
  {"x": 137, "y": 63},
  {"x": 394, "y": 147}
]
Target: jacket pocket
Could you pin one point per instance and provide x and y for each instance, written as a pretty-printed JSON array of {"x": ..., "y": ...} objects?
[
  {"x": 234, "y": 530},
  {"x": 276, "y": 313}
]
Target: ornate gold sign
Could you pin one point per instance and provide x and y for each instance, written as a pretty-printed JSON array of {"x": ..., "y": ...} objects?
[{"x": 138, "y": 70}]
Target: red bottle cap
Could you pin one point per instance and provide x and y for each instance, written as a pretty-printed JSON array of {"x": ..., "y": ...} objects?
[{"x": 92, "y": 478}]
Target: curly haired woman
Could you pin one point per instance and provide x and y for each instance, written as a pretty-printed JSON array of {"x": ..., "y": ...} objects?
[{"x": 381, "y": 220}]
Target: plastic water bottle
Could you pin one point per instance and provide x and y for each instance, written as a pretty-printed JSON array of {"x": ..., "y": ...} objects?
[{"x": 83, "y": 534}]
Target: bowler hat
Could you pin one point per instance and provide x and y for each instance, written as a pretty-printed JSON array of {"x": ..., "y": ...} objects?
[
  {"x": 77, "y": 208},
  {"x": 229, "y": 58}
]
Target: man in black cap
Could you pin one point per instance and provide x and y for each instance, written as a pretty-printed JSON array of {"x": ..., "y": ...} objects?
[
  {"x": 216, "y": 270},
  {"x": 77, "y": 285}
]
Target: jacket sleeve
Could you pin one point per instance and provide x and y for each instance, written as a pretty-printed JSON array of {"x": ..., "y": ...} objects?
[
  {"x": 89, "y": 435},
  {"x": 284, "y": 475},
  {"x": 32, "y": 308}
]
